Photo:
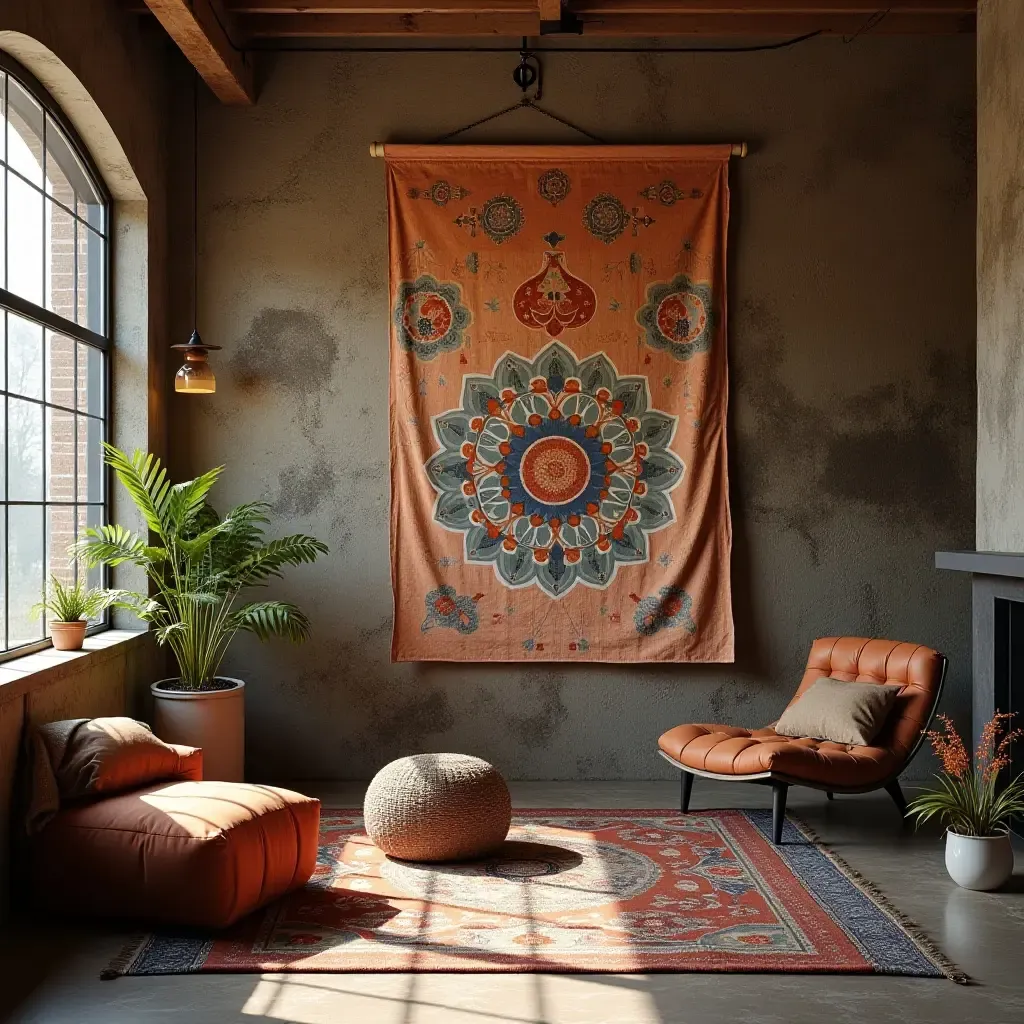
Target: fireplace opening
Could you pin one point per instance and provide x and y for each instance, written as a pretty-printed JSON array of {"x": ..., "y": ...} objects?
[{"x": 1008, "y": 675}]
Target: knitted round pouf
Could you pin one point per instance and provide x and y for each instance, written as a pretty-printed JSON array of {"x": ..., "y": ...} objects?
[{"x": 437, "y": 807}]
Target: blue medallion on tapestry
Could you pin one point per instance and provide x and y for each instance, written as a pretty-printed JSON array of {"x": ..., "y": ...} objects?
[
  {"x": 447, "y": 609},
  {"x": 555, "y": 470},
  {"x": 678, "y": 317},
  {"x": 670, "y": 609},
  {"x": 429, "y": 317}
]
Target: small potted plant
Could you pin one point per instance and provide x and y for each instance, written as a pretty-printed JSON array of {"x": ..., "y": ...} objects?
[
  {"x": 197, "y": 569},
  {"x": 69, "y": 606},
  {"x": 975, "y": 811}
]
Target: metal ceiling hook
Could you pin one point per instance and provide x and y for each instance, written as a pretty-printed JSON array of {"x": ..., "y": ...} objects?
[{"x": 528, "y": 72}]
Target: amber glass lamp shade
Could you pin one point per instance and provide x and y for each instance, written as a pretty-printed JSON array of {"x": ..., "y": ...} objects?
[{"x": 195, "y": 377}]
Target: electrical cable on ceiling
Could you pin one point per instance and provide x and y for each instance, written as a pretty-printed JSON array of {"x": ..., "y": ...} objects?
[{"x": 752, "y": 48}]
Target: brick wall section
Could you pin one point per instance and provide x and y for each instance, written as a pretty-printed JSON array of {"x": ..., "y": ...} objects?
[{"x": 61, "y": 453}]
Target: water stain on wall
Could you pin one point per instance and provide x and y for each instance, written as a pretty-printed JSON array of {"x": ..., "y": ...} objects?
[
  {"x": 302, "y": 488},
  {"x": 538, "y": 728},
  {"x": 289, "y": 350},
  {"x": 890, "y": 450}
]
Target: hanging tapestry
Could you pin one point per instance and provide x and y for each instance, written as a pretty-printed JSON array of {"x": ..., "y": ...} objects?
[{"x": 559, "y": 485}]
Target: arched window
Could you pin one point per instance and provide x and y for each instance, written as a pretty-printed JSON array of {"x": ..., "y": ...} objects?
[{"x": 54, "y": 304}]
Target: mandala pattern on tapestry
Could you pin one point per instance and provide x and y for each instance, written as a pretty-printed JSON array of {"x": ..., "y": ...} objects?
[
  {"x": 678, "y": 317},
  {"x": 555, "y": 470},
  {"x": 554, "y": 186},
  {"x": 605, "y": 217},
  {"x": 429, "y": 316},
  {"x": 501, "y": 217}
]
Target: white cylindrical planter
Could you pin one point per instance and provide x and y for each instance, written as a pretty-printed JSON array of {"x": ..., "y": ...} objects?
[
  {"x": 211, "y": 719},
  {"x": 979, "y": 862}
]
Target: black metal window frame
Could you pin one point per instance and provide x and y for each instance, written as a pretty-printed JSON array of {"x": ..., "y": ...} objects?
[{"x": 48, "y": 320}]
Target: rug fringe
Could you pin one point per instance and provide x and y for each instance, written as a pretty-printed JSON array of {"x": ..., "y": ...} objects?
[
  {"x": 122, "y": 963},
  {"x": 942, "y": 962}
]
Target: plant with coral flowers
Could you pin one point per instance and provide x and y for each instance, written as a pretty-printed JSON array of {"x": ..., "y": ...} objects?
[{"x": 969, "y": 801}]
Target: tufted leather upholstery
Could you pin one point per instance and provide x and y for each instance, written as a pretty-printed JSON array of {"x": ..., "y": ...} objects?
[{"x": 726, "y": 750}]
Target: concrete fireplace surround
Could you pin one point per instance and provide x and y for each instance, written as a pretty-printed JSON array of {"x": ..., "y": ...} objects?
[{"x": 997, "y": 633}]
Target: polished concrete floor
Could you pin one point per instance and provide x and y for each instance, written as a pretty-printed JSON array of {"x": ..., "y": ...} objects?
[{"x": 50, "y": 975}]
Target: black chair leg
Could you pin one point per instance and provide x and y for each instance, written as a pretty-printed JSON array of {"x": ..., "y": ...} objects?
[
  {"x": 893, "y": 789},
  {"x": 685, "y": 789},
  {"x": 779, "y": 792},
  {"x": 830, "y": 794}
]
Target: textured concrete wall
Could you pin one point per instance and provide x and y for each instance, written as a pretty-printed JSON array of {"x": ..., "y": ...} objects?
[
  {"x": 1000, "y": 514},
  {"x": 852, "y": 356}
]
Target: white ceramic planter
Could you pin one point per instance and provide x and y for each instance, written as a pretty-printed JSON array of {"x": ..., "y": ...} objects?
[
  {"x": 213, "y": 720},
  {"x": 979, "y": 862}
]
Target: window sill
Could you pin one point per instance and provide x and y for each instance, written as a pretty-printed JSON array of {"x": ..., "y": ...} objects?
[{"x": 20, "y": 675}]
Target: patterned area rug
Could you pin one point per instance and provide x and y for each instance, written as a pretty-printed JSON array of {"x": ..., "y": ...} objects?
[{"x": 598, "y": 891}]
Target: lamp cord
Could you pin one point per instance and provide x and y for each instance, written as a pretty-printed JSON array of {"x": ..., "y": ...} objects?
[{"x": 195, "y": 201}]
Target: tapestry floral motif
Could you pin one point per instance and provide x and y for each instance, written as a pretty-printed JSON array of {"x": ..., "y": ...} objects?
[
  {"x": 554, "y": 470},
  {"x": 440, "y": 193},
  {"x": 678, "y": 317},
  {"x": 429, "y": 316},
  {"x": 554, "y": 186},
  {"x": 605, "y": 217},
  {"x": 500, "y": 218},
  {"x": 668, "y": 193},
  {"x": 447, "y": 609},
  {"x": 669, "y": 609}
]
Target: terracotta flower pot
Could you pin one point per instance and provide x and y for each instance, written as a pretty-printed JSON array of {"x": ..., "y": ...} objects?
[
  {"x": 979, "y": 862},
  {"x": 68, "y": 636},
  {"x": 211, "y": 719}
]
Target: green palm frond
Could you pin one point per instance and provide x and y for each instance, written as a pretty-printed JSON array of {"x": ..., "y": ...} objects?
[
  {"x": 272, "y": 618},
  {"x": 202, "y": 564},
  {"x": 268, "y": 561},
  {"x": 186, "y": 500},
  {"x": 145, "y": 479},
  {"x": 112, "y": 544}
]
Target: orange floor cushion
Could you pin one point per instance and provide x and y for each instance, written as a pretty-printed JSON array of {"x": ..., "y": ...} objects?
[{"x": 189, "y": 853}]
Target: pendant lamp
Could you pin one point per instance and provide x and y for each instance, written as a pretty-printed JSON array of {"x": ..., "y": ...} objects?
[{"x": 195, "y": 377}]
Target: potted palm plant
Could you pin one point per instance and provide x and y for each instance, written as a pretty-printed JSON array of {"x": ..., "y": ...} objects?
[
  {"x": 69, "y": 606},
  {"x": 197, "y": 568},
  {"x": 969, "y": 802}
]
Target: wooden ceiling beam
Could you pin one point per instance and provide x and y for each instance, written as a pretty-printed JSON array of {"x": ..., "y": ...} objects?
[
  {"x": 668, "y": 23},
  {"x": 662, "y": 23},
  {"x": 828, "y": 8},
  {"x": 201, "y": 31},
  {"x": 320, "y": 26},
  {"x": 550, "y": 8},
  {"x": 325, "y": 7}
]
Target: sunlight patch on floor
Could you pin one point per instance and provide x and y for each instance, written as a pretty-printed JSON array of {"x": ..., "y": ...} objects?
[{"x": 450, "y": 999}]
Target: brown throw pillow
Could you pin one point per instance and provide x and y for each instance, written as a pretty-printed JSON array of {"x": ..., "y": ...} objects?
[
  {"x": 831, "y": 709},
  {"x": 110, "y": 755}
]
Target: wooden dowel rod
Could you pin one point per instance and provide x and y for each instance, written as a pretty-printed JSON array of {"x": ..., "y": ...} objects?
[{"x": 736, "y": 149}]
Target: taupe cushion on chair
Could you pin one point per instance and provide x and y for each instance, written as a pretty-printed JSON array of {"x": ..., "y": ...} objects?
[
  {"x": 842, "y": 712},
  {"x": 437, "y": 807}
]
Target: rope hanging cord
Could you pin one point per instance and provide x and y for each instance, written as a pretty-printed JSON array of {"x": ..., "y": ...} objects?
[
  {"x": 525, "y": 102},
  {"x": 528, "y": 73}
]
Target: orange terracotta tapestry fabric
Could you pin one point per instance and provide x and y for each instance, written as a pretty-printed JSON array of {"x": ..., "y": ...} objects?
[{"x": 559, "y": 485}]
